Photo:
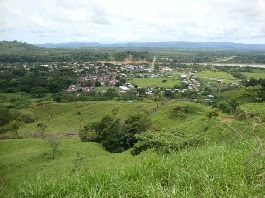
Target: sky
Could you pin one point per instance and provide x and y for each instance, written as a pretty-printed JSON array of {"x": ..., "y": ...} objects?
[{"x": 113, "y": 21}]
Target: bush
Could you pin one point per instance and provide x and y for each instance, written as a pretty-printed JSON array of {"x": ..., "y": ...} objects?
[
  {"x": 182, "y": 111},
  {"x": 212, "y": 113},
  {"x": 113, "y": 134},
  {"x": 165, "y": 141},
  {"x": 25, "y": 117}
]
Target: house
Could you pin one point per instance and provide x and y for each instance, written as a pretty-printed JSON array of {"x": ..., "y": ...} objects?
[
  {"x": 71, "y": 88},
  {"x": 112, "y": 82},
  {"x": 123, "y": 89},
  {"x": 183, "y": 76},
  {"x": 87, "y": 89},
  {"x": 166, "y": 69}
]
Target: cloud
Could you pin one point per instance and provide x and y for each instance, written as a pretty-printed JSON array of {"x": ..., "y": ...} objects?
[{"x": 40, "y": 21}]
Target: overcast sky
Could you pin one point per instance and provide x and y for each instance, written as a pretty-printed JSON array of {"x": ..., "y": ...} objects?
[{"x": 110, "y": 21}]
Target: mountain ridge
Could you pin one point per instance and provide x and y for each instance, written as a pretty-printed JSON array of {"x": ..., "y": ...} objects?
[{"x": 167, "y": 44}]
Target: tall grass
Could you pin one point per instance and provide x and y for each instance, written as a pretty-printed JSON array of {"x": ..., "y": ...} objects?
[{"x": 210, "y": 171}]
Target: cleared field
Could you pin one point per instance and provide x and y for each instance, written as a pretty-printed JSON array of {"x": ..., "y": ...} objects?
[
  {"x": 217, "y": 75},
  {"x": 155, "y": 82}
]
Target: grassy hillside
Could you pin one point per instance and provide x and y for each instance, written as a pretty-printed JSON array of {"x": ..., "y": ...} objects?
[
  {"x": 63, "y": 118},
  {"x": 27, "y": 160},
  {"x": 228, "y": 165},
  {"x": 84, "y": 169}
]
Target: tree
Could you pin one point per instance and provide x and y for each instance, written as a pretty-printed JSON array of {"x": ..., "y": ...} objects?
[
  {"x": 135, "y": 124},
  {"x": 113, "y": 134},
  {"x": 5, "y": 116},
  {"x": 14, "y": 126}
]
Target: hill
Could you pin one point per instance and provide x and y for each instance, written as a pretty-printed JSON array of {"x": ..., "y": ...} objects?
[
  {"x": 165, "y": 45},
  {"x": 14, "y": 46},
  {"x": 226, "y": 166}
]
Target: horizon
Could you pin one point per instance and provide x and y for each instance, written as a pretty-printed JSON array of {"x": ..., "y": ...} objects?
[
  {"x": 119, "y": 21},
  {"x": 128, "y": 42}
]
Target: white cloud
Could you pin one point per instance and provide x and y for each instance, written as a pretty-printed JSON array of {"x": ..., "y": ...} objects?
[{"x": 40, "y": 21}]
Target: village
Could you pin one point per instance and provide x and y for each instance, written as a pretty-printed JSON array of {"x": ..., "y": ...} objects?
[{"x": 144, "y": 80}]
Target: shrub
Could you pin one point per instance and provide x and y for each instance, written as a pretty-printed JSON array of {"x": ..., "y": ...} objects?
[
  {"x": 114, "y": 134},
  {"x": 182, "y": 111},
  {"x": 212, "y": 113},
  {"x": 165, "y": 141},
  {"x": 25, "y": 117}
]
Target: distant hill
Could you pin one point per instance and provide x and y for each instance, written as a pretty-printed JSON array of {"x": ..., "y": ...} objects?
[
  {"x": 169, "y": 45},
  {"x": 6, "y": 46}
]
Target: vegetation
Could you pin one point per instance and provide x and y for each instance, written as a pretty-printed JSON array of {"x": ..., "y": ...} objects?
[
  {"x": 114, "y": 134},
  {"x": 71, "y": 128},
  {"x": 155, "y": 82}
]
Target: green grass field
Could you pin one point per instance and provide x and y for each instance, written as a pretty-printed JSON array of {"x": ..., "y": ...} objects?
[
  {"x": 156, "y": 82},
  {"x": 258, "y": 109},
  {"x": 86, "y": 170},
  {"x": 27, "y": 160},
  {"x": 217, "y": 75},
  {"x": 227, "y": 166},
  {"x": 70, "y": 117},
  {"x": 255, "y": 74}
]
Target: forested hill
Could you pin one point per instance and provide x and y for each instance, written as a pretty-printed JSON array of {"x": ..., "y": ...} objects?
[
  {"x": 14, "y": 46},
  {"x": 13, "y": 51}
]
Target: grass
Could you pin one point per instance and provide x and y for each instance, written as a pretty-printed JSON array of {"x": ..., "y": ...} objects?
[
  {"x": 257, "y": 108},
  {"x": 212, "y": 171},
  {"x": 103, "y": 89},
  {"x": 62, "y": 118},
  {"x": 257, "y": 74},
  {"x": 155, "y": 82},
  {"x": 217, "y": 75},
  {"x": 227, "y": 166},
  {"x": 27, "y": 160}
]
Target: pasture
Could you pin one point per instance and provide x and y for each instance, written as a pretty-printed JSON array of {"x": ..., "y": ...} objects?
[
  {"x": 216, "y": 75},
  {"x": 257, "y": 74},
  {"x": 156, "y": 82},
  {"x": 63, "y": 118}
]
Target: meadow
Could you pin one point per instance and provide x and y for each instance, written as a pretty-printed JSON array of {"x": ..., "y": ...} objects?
[
  {"x": 63, "y": 118},
  {"x": 228, "y": 165},
  {"x": 156, "y": 82},
  {"x": 257, "y": 74},
  {"x": 217, "y": 75}
]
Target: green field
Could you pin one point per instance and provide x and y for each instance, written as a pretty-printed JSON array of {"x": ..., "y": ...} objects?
[
  {"x": 85, "y": 170},
  {"x": 217, "y": 75},
  {"x": 225, "y": 166},
  {"x": 255, "y": 74},
  {"x": 63, "y": 118},
  {"x": 155, "y": 82},
  {"x": 258, "y": 109}
]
